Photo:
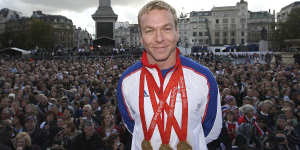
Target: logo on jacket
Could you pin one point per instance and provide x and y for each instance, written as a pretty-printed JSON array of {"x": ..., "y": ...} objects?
[{"x": 145, "y": 94}]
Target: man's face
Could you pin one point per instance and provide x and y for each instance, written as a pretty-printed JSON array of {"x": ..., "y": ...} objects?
[
  {"x": 67, "y": 113},
  {"x": 88, "y": 130},
  {"x": 159, "y": 35},
  {"x": 30, "y": 125},
  {"x": 85, "y": 112}
]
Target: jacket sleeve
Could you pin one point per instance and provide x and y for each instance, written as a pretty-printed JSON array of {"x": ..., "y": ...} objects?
[
  {"x": 212, "y": 114},
  {"x": 123, "y": 107}
]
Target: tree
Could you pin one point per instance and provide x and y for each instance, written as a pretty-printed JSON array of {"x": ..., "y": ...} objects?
[
  {"x": 30, "y": 33},
  {"x": 41, "y": 34},
  {"x": 289, "y": 29}
]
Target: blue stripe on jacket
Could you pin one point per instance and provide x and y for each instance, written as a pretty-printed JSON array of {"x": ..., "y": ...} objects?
[
  {"x": 211, "y": 111},
  {"x": 129, "y": 122}
]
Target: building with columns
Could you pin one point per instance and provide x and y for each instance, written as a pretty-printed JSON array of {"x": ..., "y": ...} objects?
[
  {"x": 199, "y": 26},
  {"x": 135, "y": 36},
  {"x": 122, "y": 34},
  {"x": 261, "y": 26},
  {"x": 183, "y": 23},
  {"x": 229, "y": 25}
]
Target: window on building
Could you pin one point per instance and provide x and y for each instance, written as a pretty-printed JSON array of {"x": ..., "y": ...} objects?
[
  {"x": 225, "y": 20},
  {"x": 194, "y": 33},
  {"x": 225, "y": 26},
  {"x": 243, "y": 41},
  {"x": 232, "y": 20},
  {"x": 200, "y": 34},
  {"x": 243, "y": 26},
  {"x": 233, "y": 26},
  {"x": 217, "y": 34},
  {"x": 232, "y": 41},
  {"x": 200, "y": 41},
  {"x": 217, "y": 21},
  {"x": 224, "y": 34},
  {"x": 206, "y": 41},
  {"x": 243, "y": 20},
  {"x": 225, "y": 41},
  {"x": 217, "y": 41},
  {"x": 232, "y": 33},
  {"x": 242, "y": 33},
  {"x": 206, "y": 33}
]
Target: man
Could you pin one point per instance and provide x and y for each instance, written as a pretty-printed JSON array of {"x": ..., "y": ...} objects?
[
  {"x": 88, "y": 139},
  {"x": 38, "y": 136},
  {"x": 167, "y": 101},
  {"x": 5, "y": 134}
]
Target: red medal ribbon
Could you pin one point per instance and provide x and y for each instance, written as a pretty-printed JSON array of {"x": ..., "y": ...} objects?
[{"x": 176, "y": 79}]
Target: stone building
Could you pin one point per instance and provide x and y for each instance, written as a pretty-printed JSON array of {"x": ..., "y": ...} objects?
[
  {"x": 183, "y": 23},
  {"x": 81, "y": 38},
  {"x": 228, "y": 25},
  {"x": 261, "y": 26},
  {"x": 199, "y": 26},
  {"x": 135, "y": 36},
  {"x": 122, "y": 35}
]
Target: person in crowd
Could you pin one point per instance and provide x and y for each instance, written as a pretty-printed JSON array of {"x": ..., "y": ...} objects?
[
  {"x": 232, "y": 125},
  {"x": 18, "y": 123},
  {"x": 23, "y": 142},
  {"x": 291, "y": 118},
  {"x": 6, "y": 113},
  {"x": 108, "y": 128},
  {"x": 264, "y": 111},
  {"x": 5, "y": 134},
  {"x": 37, "y": 135},
  {"x": 88, "y": 139},
  {"x": 63, "y": 139},
  {"x": 87, "y": 114},
  {"x": 248, "y": 116},
  {"x": 68, "y": 115}
]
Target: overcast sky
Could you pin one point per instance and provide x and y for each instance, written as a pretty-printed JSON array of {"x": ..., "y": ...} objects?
[{"x": 80, "y": 11}]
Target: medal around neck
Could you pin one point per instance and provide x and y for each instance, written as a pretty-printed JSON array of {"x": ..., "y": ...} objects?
[
  {"x": 165, "y": 147},
  {"x": 183, "y": 145},
  {"x": 146, "y": 145}
]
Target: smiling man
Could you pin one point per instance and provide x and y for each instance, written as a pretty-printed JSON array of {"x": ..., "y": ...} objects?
[{"x": 167, "y": 101}]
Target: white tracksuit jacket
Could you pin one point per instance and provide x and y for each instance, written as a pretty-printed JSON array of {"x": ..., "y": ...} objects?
[{"x": 204, "y": 110}]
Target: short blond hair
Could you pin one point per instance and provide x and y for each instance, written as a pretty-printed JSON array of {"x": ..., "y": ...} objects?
[
  {"x": 24, "y": 135},
  {"x": 160, "y": 5}
]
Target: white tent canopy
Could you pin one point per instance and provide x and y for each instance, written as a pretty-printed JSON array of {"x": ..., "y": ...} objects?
[{"x": 22, "y": 51}]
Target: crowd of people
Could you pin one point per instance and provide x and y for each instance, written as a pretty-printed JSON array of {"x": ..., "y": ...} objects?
[{"x": 71, "y": 104}]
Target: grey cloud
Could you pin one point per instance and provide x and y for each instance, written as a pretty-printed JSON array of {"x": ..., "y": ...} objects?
[{"x": 78, "y": 5}]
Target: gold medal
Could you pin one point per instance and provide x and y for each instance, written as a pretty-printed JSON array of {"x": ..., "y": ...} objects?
[
  {"x": 184, "y": 146},
  {"x": 146, "y": 145},
  {"x": 165, "y": 147}
]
